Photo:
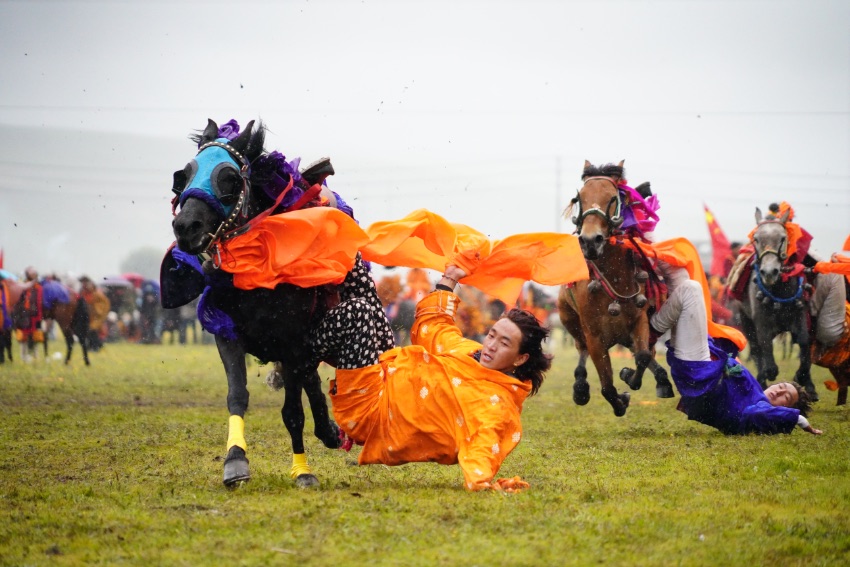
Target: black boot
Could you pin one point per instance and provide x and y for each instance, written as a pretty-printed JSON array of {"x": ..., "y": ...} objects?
[{"x": 317, "y": 171}]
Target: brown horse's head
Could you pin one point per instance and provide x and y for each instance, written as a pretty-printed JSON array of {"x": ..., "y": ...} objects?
[
  {"x": 599, "y": 207},
  {"x": 770, "y": 241}
]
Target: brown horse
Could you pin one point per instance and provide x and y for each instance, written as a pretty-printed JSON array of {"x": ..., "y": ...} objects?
[
  {"x": 72, "y": 317},
  {"x": 611, "y": 308}
]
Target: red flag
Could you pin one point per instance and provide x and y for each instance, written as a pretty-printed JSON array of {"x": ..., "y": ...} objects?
[
  {"x": 1, "y": 258},
  {"x": 721, "y": 258}
]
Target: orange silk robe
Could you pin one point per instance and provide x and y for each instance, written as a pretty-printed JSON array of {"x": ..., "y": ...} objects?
[{"x": 432, "y": 402}]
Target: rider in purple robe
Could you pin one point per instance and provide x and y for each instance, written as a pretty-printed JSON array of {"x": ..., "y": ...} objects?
[{"x": 715, "y": 388}]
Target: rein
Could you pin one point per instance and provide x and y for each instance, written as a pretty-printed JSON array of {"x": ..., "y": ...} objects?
[{"x": 606, "y": 285}]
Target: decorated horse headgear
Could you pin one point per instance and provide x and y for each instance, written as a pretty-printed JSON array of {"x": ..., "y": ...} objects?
[
  {"x": 614, "y": 221},
  {"x": 218, "y": 175}
]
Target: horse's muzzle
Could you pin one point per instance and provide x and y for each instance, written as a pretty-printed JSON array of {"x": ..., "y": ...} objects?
[{"x": 591, "y": 245}]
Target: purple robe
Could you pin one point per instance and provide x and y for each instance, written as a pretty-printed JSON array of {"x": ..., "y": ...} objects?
[{"x": 723, "y": 394}]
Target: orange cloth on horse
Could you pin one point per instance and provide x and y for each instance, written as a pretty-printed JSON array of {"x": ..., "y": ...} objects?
[
  {"x": 307, "y": 248},
  {"x": 499, "y": 268},
  {"x": 432, "y": 401},
  {"x": 840, "y": 264},
  {"x": 837, "y": 354},
  {"x": 680, "y": 252}
]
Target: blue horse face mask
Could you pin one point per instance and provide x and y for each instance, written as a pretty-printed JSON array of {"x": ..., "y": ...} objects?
[{"x": 214, "y": 172}]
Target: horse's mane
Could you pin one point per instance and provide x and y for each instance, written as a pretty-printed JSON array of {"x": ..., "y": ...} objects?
[
  {"x": 607, "y": 170},
  {"x": 267, "y": 168},
  {"x": 254, "y": 148}
]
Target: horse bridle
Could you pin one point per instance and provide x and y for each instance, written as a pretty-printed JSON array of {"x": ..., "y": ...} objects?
[{"x": 614, "y": 221}]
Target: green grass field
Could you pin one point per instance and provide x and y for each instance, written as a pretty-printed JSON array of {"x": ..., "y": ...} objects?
[{"x": 121, "y": 464}]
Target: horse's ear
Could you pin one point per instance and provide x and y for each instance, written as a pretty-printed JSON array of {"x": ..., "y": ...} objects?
[
  {"x": 784, "y": 218},
  {"x": 210, "y": 132},
  {"x": 758, "y": 215},
  {"x": 587, "y": 164},
  {"x": 241, "y": 142},
  {"x": 622, "y": 163}
]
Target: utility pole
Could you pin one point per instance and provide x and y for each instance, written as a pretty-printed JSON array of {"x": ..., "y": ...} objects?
[{"x": 558, "y": 207}]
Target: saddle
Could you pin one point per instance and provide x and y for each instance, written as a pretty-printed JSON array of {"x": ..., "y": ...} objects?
[{"x": 739, "y": 275}]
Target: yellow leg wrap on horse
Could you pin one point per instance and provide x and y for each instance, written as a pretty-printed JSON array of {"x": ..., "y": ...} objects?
[
  {"x": 299, "y": 465},
  {"x": 236, "y": 432}
]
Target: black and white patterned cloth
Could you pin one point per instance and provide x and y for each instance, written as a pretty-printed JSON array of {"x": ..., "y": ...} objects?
[{"x": 356, "y": 332}]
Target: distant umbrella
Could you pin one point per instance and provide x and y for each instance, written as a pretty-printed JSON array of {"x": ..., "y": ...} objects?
[
  {"x": 134, "y": 278},
  {"x": 115, "y": 281}
]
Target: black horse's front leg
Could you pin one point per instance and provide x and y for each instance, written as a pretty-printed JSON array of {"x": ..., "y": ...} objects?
[
  {"x": 326, "y": 429},
  {"x": 292, "y": 413},
  {"x": 233, "y": 358}
]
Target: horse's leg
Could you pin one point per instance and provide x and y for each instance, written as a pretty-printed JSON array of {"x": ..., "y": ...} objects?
[
  {"x": 572, "y": 324},
  {"x": 84, "y": 347},
  {"x": 634, "y": 377},
  {"x": 325, "y": 428},
  {"x": 232, "y": 355},
  {"x": 640, "y": 348},
  {"x": 803, "y": 376},
  {"x": 765, "y": 362},
  {"x": 602, "y": 362},
  {"x": 292, "y": 413},
  {"x": 69, "y": 344},
  {"x": 581, "y": 389},
  {"x": 663, "y": 387}
]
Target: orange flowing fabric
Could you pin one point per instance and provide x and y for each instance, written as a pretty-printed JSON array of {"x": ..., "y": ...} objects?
[
  {"x": 839, "y": 263},
  {"x": 308, "y": 247},
  {"x": 681, "y": 253},
  {"x": 499, "y": 268},
  {"x": 433, "y": 402}
]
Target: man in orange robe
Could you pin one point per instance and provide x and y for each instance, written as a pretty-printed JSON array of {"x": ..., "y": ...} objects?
[{"x": 443, "y": 399}]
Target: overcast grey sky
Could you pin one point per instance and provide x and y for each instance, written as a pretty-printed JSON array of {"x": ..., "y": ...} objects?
[{"x": 481, "y": 111}]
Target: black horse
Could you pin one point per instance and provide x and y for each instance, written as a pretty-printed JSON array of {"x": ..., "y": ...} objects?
[
  {"x": 774, "y": 305},
  {"x": 231, "y": 181}
]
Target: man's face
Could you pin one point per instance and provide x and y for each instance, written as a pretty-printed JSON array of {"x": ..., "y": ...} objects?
[
  {"x": 782, "y": 394},
  {"x": 500, "y": 350}
]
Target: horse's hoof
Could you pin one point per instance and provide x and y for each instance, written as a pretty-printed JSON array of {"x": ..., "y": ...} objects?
[
  {"x": 236, "y": 472},
  {"x": 236, "y": 467},
  {"x": 665, "y": 391},
  {"x": 627, "y": 375},
  {"x": 329, "y": 437},
  {"x": 581, "y": 393},
  {"x": 623, "y": 405},
  {"x": 308, "y": 480}
]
